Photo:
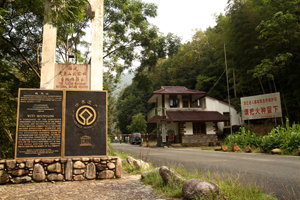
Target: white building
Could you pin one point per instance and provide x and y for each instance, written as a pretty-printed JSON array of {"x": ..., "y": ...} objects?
[{"x": 189, "y": 117}]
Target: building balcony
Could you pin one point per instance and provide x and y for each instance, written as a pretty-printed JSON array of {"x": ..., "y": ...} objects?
[{"x": 157, "y": 114}]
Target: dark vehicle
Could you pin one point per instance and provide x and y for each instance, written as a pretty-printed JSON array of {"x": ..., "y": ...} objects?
[{"x": 136, "y": 138}]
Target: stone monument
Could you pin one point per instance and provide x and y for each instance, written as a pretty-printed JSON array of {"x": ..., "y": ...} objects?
[{"x": 67, "y": 116}]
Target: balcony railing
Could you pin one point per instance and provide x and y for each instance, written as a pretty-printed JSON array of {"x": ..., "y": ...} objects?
[{"x": 156, "y": 112}]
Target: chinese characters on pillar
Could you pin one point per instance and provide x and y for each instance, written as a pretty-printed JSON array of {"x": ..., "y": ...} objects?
[{"x": 261, "y": 106}]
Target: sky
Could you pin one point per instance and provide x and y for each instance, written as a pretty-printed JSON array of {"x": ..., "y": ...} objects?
[{"x": 181, "y": 17}]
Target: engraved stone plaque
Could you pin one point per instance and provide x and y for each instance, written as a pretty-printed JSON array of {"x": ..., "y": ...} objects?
[
  {"x": 86, "y": 116},
  {"x": 39, "y": 123},
  {"x": 72, "y": 76}
]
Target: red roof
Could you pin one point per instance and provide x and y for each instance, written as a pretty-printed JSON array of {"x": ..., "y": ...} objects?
[
  {"x": 197, "y": 116},
  {"x": 176, "y": 90}
]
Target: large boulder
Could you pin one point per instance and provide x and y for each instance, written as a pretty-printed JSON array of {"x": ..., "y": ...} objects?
[
  {"x": 169, "y": 175},
  {"x": 196, "y": 187}
]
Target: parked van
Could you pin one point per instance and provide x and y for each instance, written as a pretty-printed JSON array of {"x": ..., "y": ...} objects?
[{"x": 136, "y": 138}]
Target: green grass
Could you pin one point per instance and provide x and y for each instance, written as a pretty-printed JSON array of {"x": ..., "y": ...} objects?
[{"x": 233, "y": 187}]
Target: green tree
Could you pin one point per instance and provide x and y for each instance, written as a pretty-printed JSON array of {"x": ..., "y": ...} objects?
[{"x": 139, "y": 124}]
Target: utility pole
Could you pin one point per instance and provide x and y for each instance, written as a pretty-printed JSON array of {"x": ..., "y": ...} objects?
[{"x": 228, "y": 89}]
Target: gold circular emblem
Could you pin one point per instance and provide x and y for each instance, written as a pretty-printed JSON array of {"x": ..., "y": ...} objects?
[{"x": 86, "y": 115}]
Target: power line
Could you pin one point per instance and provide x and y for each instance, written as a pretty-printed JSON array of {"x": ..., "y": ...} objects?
[{"x": 216, "y": 82}]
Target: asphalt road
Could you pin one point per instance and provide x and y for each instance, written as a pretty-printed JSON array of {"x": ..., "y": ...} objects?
[{"x": 277, "y": 174}]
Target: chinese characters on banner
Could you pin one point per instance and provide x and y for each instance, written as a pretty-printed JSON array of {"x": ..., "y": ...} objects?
[
  {"x": 261, "y": 106},
  {"x": 72, "y": 76}
]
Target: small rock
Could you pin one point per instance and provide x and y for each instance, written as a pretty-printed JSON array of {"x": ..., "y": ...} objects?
[
  {"x": 78, "y": 171},
  {"x": 4, "y": 177},
  {"x": 101, "y": 167},
  {"x": 11, "y": 164},
  {"x": 146, "y": 173},
  {"x": 224, "y": 148},
  {"x": 130, "y": 159},
  {"x": 166, "y": 147},
  {"x": 168, "y": 175},
  {"x": 79, "y": 165},
  {"x": 96, "y": 160},
  {"x": 139, "y": 164},
  {"x": 38, "y": 173},
  {"x": 24, "y": 179},
  {"x": 29, "y": 163},
  {"x": 79, "y": 178},
  {"x": 21, "y": 161},
  {"x": 111, "y": 165},
  {"x": 90, "y": 171},
  {"x": 69, "y": 170},
  {"x": 19, "y": 172},
  {"x": 195, "y": 187},
  {"x": 218, "y": 148},
  {"x": 236, "y": 148},
  {"x": 55, "y": 177},
  {"x": 248, "y": 149},
  {"x": 85, "y": 159},
  {"x": 107, "y": 174},
  {"x": 115, "y": 154},
  {"x": 22, "y": 165},
  {"x": 54, "y": 168},
  {"x": 63, "y": 160},
  {"x": 276, "y": 151},
  {"x": 119, "y": 168},
  {"x": 47, "y": 161},
  {"x": 2, "y": 166}
]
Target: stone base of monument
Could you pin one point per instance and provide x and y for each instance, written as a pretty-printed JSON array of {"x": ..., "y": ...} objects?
[{"x": 59, "y": 169}]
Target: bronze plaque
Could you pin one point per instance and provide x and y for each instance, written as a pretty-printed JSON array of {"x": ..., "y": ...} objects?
[
  {"x": 72, "y": 76},
  {"x": 85, "y": 122},
  {"x": 39, "y": 123}
]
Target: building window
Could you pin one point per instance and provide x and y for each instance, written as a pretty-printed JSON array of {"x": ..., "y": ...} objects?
[
  {"x": 226, "y": 114},
  {"x": 174, "y": 102},
  {"x": 199, "y": 128},
  {"x": 185, "y": 101}
]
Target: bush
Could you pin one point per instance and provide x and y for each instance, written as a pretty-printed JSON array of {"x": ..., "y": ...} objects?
[{"x": 287, "y": 139}]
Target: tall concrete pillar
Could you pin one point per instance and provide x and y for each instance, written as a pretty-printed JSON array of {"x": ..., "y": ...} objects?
[
  {"x": 48, "y": 52},
  {"x": 97, "y": 46}
]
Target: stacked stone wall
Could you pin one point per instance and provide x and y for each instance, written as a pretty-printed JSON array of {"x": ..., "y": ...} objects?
[
  {"x": 199, "y": 140},
  {"x": 60, "y": 169}
]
